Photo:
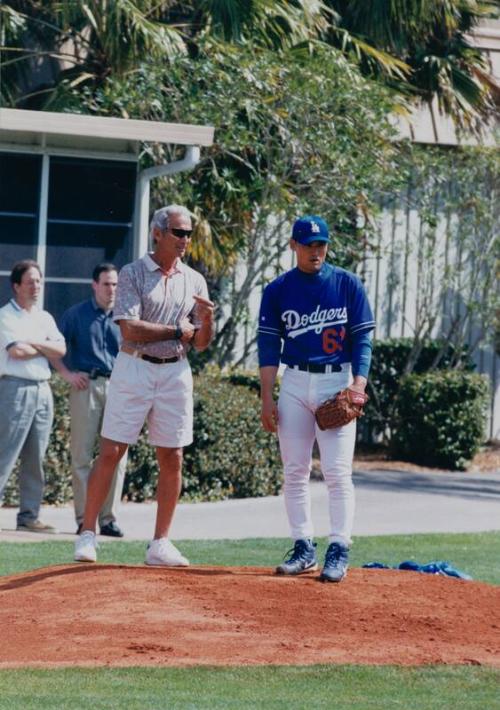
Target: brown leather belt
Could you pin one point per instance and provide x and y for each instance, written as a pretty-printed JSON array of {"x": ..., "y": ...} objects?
[{"x": 148, "y": 358}]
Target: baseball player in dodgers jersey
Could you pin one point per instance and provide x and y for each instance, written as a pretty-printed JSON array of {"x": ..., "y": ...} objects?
[{"x": 317, "y": 321}]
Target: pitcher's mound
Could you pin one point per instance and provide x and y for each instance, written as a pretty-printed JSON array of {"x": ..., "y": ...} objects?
[{"x": 119, "y": 616}]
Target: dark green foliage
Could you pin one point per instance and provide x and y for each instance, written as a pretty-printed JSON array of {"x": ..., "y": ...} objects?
[
  {"x": 58, "y": 459},
  {"x": 231, "y": 456},
  {"x": 388, "y": 365},
  {"x": 142, "y": 470},
  {"x": 243, "y": 377},
  {"x": 440, "y": 418},
  {"x": 418, "y": 48}
]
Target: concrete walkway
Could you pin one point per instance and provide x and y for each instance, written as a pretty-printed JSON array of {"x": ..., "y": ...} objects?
[{"x": 387, "y": 503}]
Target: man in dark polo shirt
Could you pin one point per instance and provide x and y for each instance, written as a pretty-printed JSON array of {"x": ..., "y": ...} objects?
[{"x": 93, "y": 341}]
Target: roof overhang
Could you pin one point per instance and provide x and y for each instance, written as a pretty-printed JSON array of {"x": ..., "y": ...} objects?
[
  {"x": 487, "y": 35},
  {"x": 46, "y": 130}
]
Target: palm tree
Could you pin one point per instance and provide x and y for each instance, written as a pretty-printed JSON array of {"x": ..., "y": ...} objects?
[
  {"x": 84, "y": 41},
  {"x": 89, "y": 41},
  {"x": 432, "y": 37},
  {"x": 420, "y": 47}
]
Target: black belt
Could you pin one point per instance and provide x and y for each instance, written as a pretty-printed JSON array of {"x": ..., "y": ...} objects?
[
  {"x": 148, "y": 358},
  {"x": 94, "y": 373},
  {"x": 316, "y": 367},
  {"x": 158, "y": 360}
]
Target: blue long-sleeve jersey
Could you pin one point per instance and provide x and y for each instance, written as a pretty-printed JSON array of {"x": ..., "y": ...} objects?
[{"x": 322, "y": 318}]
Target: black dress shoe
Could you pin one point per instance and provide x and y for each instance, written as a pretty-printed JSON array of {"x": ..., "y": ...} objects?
[{"x": 111, "y": 530}]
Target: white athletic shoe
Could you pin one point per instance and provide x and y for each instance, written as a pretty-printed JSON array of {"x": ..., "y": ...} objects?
[
  {"x": 163, "y": 553},
  {"x": 85, "y": 547}
]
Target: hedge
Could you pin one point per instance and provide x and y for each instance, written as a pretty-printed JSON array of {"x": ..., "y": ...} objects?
[
  {"x": 440, "y": 418},
  {"x": 231, "y": 456},
  {"x": 387, "y": 369}
]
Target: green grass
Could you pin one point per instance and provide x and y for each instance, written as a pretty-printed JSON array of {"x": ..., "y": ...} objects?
[
  {"x": 291, "y": 687},
  {"x": 474, "y": 553},
  {"x": 337, "y": 687}
]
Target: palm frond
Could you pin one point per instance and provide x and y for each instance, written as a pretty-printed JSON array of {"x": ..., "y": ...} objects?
[
  {"x": 385, "y": 62},
  {"x": 273, "y": 23},
  {"x": 12, "y": 22}
]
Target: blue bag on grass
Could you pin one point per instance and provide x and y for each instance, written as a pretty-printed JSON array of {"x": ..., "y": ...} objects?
[{"x": 436, "y": 567}]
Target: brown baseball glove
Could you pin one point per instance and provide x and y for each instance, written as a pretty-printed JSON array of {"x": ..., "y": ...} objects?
[{"x": 341, "y": 409}]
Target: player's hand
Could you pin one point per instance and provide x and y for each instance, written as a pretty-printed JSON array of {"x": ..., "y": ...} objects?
[
  {"x": 78, "y": 380},
  {"x": 359, "y": 384},
  {"x": 204, "y": 308},
  {"x": 269, "y": 416},
  {"x": 188, "y": 330}
]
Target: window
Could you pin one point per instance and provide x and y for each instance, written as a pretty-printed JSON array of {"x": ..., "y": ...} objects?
[
  {"x": 19, "y": 199},
  {"x": 5, "y": 290},
  {"x": 73, "y": 249},
  {"x": 91, "y": 190},
  {"x": 90, "y": 211},
  {"x": 60, "y": 296},
  {"x": 89, "y": 219}
]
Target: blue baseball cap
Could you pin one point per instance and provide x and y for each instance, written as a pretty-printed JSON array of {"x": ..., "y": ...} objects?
[{"x": 310, "y": 229}]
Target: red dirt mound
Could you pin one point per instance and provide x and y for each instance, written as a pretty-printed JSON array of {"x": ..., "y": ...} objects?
[{"x": 92, "y": 615}]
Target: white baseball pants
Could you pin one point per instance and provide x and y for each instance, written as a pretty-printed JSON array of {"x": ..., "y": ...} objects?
[{"x": 300, "y": 395}]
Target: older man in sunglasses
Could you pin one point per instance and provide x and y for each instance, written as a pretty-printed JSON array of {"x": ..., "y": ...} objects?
[{"x": 163, "y": 309}]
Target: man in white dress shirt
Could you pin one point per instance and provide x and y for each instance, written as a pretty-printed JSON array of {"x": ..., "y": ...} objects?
[{"x": 28, "y": 339}]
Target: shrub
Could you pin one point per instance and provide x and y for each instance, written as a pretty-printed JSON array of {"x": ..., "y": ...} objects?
[
  {"x": 141, "y": 475},
  {"x": 243, "y": 377},
  {"x": 388, "y": 363},
  {"x": 440, "y": 418},
  {"x": 231, "y": 456},
  {"x": 57, "y": 463}
]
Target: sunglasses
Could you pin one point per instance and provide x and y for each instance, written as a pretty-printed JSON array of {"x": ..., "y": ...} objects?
[{"x": 181, "y": 233}]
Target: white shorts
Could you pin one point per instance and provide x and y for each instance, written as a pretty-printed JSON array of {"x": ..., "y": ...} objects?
[{"x": 142, "y": 391}]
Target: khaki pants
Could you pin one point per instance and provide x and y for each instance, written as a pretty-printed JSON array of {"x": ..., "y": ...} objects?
[{"x": 87, "y": 408}]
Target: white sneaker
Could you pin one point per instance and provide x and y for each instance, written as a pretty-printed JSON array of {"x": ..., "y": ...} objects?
[
  {"x": 85, "y": 547},
  {"x": 163, "y": 553}
]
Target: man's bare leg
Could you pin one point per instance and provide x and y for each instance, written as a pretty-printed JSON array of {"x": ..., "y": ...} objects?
[
  {"x": 168, "y": 489},
  {"x": 101, "y": 477}
]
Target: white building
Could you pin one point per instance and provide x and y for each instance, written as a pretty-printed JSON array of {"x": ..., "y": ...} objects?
[{"x": 72, "y": 194}]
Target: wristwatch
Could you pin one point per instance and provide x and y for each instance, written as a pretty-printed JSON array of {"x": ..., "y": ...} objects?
[{"x": 178, "y": 333}]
